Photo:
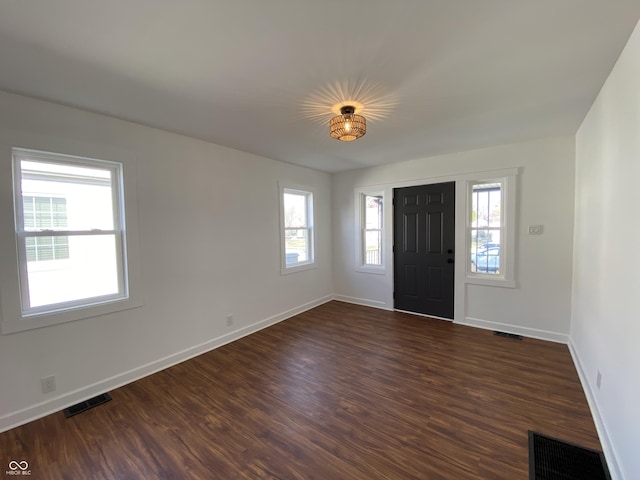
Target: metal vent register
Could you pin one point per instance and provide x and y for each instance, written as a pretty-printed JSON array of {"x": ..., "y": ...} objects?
[{"x": 553, "y": 459}]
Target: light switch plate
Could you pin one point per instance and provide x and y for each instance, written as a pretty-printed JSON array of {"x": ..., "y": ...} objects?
[{"x": 536, "y": 229}]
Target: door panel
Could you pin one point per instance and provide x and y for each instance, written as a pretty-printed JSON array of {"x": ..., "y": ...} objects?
[
  {"x": 424, "y": 239},
  {"x": 434, "y": 283},
  {"x": 434, "y": 232},
  {"x": 411, "y": 280},
  {"x": 410, "y": 227}
]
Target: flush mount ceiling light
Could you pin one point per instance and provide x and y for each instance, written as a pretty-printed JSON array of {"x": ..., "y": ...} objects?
[{"x": 347, "y": 126}]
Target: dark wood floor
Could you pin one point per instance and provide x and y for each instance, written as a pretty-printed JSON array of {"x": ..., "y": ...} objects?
[{"x": 339, "y": 392}]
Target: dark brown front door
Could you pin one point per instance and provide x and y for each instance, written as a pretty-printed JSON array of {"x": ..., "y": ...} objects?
[{"x": 423, "y": 245}]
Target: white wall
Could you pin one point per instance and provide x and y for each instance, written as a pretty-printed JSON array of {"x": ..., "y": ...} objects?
[
  {"x": 605, "y": 325},
  {"x": 540, "y": 305},
  {"x": 209, "y": 246}
]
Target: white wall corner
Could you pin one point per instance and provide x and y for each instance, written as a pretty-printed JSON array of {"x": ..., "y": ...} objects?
[
  {"x": 607, "y": 448},
  {"x": 363, "y": 301}
]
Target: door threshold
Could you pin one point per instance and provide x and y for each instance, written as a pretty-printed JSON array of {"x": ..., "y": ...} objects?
[{"x": 423, "y": 315}]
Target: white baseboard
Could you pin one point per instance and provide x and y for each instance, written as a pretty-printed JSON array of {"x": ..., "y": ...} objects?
[
  {"x": 469, "y": 321},
  {"x": 362, "y": 301},
  {"x": 607, "y": 448},
  {"x": 39, "y": 410},
  {"x": 518, "y": 330}
]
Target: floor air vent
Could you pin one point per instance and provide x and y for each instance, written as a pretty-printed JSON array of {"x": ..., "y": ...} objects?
[
  {"x": 553, "y": 459},
  {"x": 508, "y": 335},
  {"x": 86, "y": 405}
]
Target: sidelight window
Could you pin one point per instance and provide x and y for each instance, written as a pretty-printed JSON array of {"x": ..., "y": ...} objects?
[
  {"x": 491, "y": 230},
  {"x": 371, "y": 230},
  {"x": 486, "y": 228}
]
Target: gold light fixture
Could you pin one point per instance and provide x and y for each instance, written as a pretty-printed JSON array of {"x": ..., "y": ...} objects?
[{"x": 347, "y": 126}]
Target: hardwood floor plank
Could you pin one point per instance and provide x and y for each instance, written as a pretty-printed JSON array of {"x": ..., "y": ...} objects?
[{"x": 338, "y": 392}]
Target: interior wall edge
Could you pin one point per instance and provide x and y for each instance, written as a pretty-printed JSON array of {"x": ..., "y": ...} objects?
[{"x": 605, "y": 440}]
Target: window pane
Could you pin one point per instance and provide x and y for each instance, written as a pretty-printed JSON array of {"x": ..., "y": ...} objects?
[
  {"x": 494, "y": 201},
  {"x": 82, "y": 275},
  {"x": 59, "y": 196},
  {"x": 296, "y": 246},
  {"x": 373, "y": 212},
  {"x": 486, "y": 204},
  {"x": 373, "y": 247},
  {"x": 295, "y": 210},
  {"x": 486, "y": 225}
]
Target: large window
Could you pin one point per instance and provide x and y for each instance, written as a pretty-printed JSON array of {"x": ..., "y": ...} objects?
[
  {"x": 298, "y": 234},
  {"x": 70, "y": 232}
]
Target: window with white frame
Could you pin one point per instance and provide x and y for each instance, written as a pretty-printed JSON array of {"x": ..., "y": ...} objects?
[
  {"x": 297, "y": 224},
  {"x": 70, "y": 234},
  {"x": 491, "y": 224},
  {"x": 486, "y": 227},
  {"x": 371, "y": 229}
]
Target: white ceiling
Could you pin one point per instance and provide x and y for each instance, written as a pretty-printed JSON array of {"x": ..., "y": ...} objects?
[{"x": 434, "y": 76}]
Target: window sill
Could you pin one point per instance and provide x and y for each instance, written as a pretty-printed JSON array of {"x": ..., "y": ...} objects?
[
  {"x": 297, "y": 268},
  {"x": 490, "y": 282},
  {"x": 38, "y": 320},
  {"x": 370, "y": 269}
]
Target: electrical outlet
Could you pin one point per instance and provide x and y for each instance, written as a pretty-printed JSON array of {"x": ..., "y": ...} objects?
[
  {"x": 229, "y": 320},
  {"x": 48, "y": 384},
  {"x": 599, "y": 380}
]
